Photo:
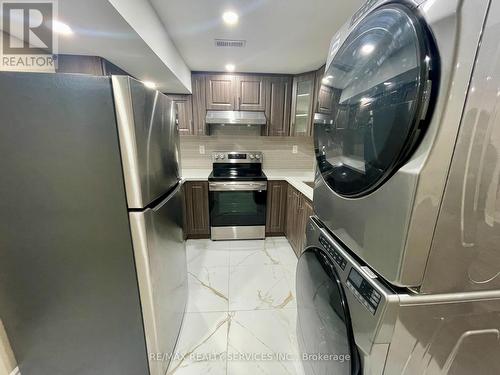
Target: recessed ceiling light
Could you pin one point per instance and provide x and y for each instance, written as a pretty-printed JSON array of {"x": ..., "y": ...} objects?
[
  {"x": 149, "y": 84},
  {"x": 230, "y": 67},
  {"x": 230, "y": 18},
  {"x": 61, "y": 28},
  {"x": 367, "y": 49}
]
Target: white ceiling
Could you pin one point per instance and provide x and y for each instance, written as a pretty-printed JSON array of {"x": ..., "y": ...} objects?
[
  {"x": 283, "y": 36},
  {"x": 126, "y": 32},
  {"x": 103, "y": 28},
  {"x": 162, "y": 40}
]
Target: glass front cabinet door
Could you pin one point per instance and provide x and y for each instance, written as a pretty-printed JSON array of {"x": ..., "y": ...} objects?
[{"x": 302, "y": 104}]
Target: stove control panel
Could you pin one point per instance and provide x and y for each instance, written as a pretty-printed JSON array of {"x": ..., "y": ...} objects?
[{"x": 237, "y": 157}]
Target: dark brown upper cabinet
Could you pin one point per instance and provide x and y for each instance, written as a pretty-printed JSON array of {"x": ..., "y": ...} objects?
[
  {"x": 323, "y": 102},
  {"x": 279, "y": 89},
  {"x": 302, "y": 104},
  {"x": 198, "y": 85},
  {"x": 289, "y": 102},
  {"x": 184, "y": 107},
  {"x": 250, "y": 93},
  {"x": 220, "y": 92},
  {"x": 235, "y": 92}
]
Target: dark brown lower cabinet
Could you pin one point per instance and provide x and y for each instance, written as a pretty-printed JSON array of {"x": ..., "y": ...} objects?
[
  {"x": 299, "y": 208},
  {"x": 196, "y": 215},
  {"x": 276, "y": 208},
  {"x": 288, "y": 211},
  {"x": 292, "y": 217},
  {"x": 306, "y": 210}
]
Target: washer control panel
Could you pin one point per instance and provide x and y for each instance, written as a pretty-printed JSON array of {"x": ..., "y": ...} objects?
[
  {"x": 363, "y": 291},
  {"x": 339, "y": 259}
]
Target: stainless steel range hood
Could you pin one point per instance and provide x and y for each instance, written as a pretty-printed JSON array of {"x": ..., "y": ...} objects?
[{"x": 236, "y": 117}]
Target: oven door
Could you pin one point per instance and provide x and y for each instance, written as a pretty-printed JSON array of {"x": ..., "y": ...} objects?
[{"x": 238, "y": 204}]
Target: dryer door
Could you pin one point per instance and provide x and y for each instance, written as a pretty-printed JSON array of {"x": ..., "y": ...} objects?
[
  {"x": 324, "y": 328},
  {"x": 380, "y": 87}
]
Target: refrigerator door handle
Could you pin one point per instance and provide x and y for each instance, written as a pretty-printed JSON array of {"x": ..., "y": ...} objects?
[{"x": 164, "y": 201}]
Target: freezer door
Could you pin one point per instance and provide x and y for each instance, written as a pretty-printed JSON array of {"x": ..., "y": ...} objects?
[
  {"x": 160, "y": 256},
  {"x": 149, "y": 140}
]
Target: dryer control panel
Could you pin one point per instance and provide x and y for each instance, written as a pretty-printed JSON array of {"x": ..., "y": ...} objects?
[
  {"x": 363, "y": 291},
  {"x": 339, "y": 259}
]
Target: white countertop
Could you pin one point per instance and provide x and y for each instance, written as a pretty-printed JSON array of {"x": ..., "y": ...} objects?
[
  {"x": 195, "y": 174},
  {"x": 295, "y": 178}
]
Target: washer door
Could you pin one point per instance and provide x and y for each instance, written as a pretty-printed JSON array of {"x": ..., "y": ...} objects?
[
  {"x": 323, "y": 323},
  {"x": 380, "y": 88}
]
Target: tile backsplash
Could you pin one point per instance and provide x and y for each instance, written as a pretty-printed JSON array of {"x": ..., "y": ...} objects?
[{"x": 277, "y": 150}]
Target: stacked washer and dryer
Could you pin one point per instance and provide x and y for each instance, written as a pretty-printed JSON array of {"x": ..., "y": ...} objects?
[{"x": 401, "y": 271}]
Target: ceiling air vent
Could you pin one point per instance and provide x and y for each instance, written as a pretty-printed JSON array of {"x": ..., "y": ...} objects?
[{"x": 230, "y": 43}]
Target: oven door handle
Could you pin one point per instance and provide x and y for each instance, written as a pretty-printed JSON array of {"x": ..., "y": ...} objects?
[{"x": 237, "y": 186}]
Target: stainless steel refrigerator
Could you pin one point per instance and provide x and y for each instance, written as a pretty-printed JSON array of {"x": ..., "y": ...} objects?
[{"x": 93, "y": 275}]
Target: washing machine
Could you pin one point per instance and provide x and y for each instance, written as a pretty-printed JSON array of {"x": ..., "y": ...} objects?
[
  {"x": 397, "y": 76},
  {"x": 350, "y": 321}
]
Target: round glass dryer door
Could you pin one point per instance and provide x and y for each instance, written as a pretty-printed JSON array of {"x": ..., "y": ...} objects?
[
  {"x": 324, "y": 328},
  {"x": 379, "y": 86}
]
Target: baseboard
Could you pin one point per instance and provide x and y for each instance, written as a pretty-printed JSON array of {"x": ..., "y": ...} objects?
[
  {"x": 275, "y": 234},
  {"x": 197, "y": 236},
  {"x": 15, "y": 371}
]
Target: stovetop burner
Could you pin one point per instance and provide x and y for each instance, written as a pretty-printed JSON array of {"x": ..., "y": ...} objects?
[
  {"x": 237, "y": 176},
  {"x": 237, "y": 166}
]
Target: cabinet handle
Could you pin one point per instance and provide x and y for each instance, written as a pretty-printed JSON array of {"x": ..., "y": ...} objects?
[{"x": 239, "y": 102}]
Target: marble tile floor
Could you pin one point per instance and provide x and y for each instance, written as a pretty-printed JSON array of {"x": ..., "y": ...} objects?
[{"x": 241, "y": 312}]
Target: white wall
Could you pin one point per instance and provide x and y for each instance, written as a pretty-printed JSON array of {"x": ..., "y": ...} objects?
[{"x": 7, "y": 360}]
